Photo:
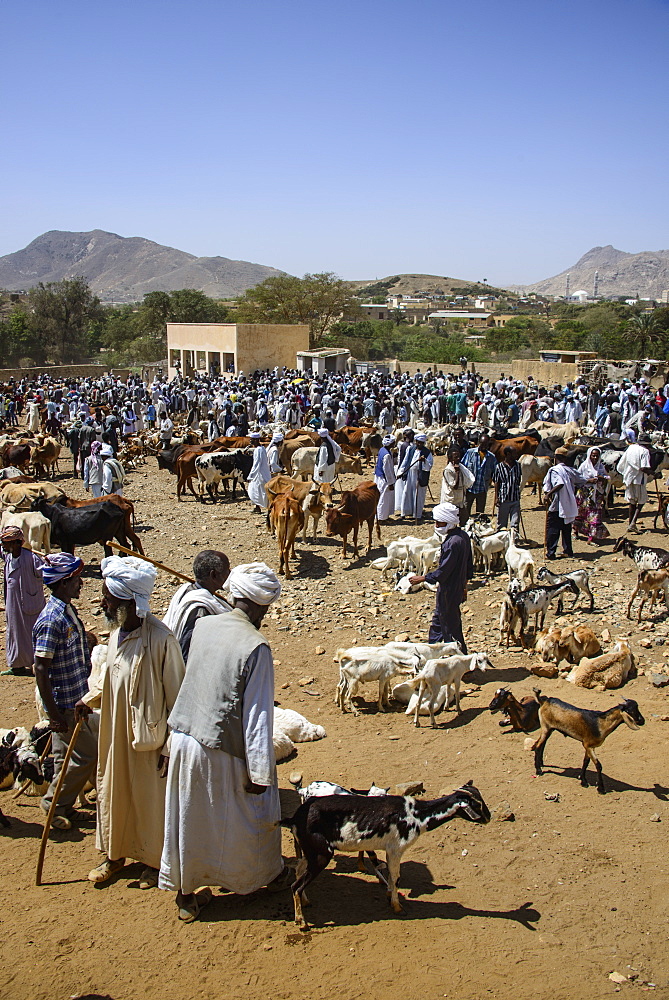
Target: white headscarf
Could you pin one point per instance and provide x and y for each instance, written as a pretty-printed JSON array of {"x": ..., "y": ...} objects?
[
  {"x": 588, "y": 469},
  {"x": 256, "y": 582},
  {"x": 129, "y": 579},
  {"x": 447, "y": 513}
]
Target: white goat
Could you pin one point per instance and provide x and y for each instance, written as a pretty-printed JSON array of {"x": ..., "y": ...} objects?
[
  {"x": 446, "y": 672},
  {"x": 519, "y": 561},
  {"x": 486, "y": 546},
  {"x": 289, "y": 728},
  {"x": 359, "y": 665}
]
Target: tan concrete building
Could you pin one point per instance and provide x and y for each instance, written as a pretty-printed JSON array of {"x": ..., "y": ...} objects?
[{"x": 216, "y": 348}]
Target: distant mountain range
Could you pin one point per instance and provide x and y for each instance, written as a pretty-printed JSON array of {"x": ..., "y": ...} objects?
[
  {"x": 123, "y": 269},
  {"x": 644, "y": 274}
]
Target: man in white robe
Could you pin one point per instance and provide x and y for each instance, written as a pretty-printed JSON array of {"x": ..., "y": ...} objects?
[
  {"x": 144, "y": 671},
  {"x": 325, "y": 468},
  {"x": 222, "y": 805},
  {"x": 384, "y": 477},
  {"x": 414, "y": 470},
  {"x": 272, "y": 450},
  {"x": 259, "y": 475},
  {"x": 193, "y": 601},
  {"x": 634, "y": 467}
]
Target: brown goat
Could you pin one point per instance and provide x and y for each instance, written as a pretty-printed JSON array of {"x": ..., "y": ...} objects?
[{"x": 522, "y": 716}]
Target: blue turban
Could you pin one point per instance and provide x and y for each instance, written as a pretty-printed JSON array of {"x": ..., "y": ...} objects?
[{"x": 59, "y": 567}]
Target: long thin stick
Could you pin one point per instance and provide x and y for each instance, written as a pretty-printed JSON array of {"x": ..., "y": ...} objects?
[
  {"x": 159, "y": 565},
  {"x": 54, "y": 802},
  {"x": 154, "y": 562},
  {"x": 28, "y": 781}
]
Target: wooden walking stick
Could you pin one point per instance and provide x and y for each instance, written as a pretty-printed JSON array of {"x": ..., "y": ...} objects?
[
  {"x": 154, "y": 562},
  {"x": 54, "y": 802},
  {"x": 27, "y": 782}
]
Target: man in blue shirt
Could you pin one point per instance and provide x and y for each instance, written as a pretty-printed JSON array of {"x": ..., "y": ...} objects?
[
  {"x": 481, "y": 463},
  {"x": 62, "y": 666}
]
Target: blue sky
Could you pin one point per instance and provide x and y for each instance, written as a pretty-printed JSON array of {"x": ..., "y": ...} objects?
[{"x": 489, "y": 140}]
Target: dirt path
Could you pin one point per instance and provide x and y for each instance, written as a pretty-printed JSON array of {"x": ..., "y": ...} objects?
[{"x": 543, "y": 907}]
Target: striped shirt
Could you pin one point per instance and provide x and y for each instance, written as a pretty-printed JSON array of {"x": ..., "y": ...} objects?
[
  {"x": 507, "y": 478},
  {"x": 59, "y": 636}
]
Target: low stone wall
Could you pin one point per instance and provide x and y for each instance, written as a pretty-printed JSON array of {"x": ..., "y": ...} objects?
[
  {"x": 486, "y": 368},
  {"x": 62, "y": 371},
  {"x": 544, "y": 372}
]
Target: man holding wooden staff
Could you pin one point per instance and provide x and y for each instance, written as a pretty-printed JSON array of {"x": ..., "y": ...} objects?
[{"x": 62, "y": 666}]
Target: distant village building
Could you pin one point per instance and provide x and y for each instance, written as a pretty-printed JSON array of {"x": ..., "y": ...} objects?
[
  {"x": 334, "y": 359},
  {"x": 217, "y": 348}
]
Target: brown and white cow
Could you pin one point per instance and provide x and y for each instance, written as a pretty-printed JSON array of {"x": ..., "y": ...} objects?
[{"x": 312, "y": 496}]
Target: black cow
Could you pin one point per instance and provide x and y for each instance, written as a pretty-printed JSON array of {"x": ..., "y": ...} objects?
[
  {"x": 220, "y": 465},
  {"x": 167, "y": 457},
  {"x": 84, "y": 525}
]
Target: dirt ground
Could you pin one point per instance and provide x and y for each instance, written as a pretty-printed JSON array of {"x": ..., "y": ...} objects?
[{"x": 546, "y": 906}]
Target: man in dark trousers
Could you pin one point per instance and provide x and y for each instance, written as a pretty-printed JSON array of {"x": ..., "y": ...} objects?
[{"x": 456, "y": 567}]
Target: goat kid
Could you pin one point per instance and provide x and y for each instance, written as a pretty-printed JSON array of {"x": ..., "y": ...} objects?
[
  {"x": 520, "y": 716},
  {"x": 581, "y": 578},
  {"x": 447, "y": 673}
]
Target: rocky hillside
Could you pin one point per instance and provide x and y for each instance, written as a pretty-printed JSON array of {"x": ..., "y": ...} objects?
[
  {"x": 644, "y": 274},
  {"x": 123, "y": 269}
]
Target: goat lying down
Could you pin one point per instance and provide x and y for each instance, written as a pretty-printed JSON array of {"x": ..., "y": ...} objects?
[
  {"x": 610, "y": 670},
  {"x": 290, "y": 728},
  {"x": 354, "y": 823}
]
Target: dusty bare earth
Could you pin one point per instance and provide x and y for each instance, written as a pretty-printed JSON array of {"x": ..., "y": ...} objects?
[{"x": 547, "y": 906}]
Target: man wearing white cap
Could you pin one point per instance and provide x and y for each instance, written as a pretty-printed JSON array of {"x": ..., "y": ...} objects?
[
  {"x": 325, "y": 469},
  {"x": 140, "y": 684},
  {"x": 384, "y": 477},
  {"x": 456, "y": 567},
  {"x": 414, "y": 470},
  {"x": 259, "y": 474},
  {"x": 272, "y": 450},
  {"x": 222, "y": 803},
  {"x": 113, "y": 474}
]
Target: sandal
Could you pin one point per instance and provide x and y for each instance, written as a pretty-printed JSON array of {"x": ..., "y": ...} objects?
[
  {"x": 60, "y": 822},
  {"x": 17, "y": 672},
  {"x": 284, "y": 880},
  {"x": 148, "y": 878},
  {"x": 188, "y": 912},
  {"x": 106, "y": 870}
]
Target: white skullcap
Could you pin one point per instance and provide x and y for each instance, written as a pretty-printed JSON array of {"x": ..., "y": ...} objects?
[
  {"x": 256, "y": 582},
  {"x": 276, "y": 438},
  {"x": 446, "y": 513},
  {"x": 323, "y": 432},
  {"x": 421, "y": 437},
  {"x": 129, "y": 579},
  {"x": 255, "y": 435},
  {"x": 388, "y": 439}
]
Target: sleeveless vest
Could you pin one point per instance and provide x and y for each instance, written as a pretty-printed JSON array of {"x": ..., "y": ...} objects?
[{"x": 209, "y": 703}]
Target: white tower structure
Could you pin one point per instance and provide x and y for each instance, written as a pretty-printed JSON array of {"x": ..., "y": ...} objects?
[
  {"x": 595, "y": 290},
  {"x": 566, "y": 290}
]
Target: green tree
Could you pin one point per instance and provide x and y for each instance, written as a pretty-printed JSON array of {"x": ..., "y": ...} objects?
[
  {"x": 316, "y": 299},
  {"x": 62, "y": 315},
  {"x": 643, "y": 330}
]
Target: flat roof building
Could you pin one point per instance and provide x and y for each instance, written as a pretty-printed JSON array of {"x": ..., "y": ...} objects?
[{"x": 217, "y": 348}]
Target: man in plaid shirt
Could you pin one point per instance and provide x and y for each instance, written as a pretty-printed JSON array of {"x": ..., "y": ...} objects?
[{"x": 62, "y": 666}]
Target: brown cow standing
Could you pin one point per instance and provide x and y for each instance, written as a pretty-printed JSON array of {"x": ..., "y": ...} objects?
[
  {"x": 356, "y": 507},
  {"x": 310, "y": 495},
  {"x": 285, "y": 516},
  {"x": 522, "y": 444}
]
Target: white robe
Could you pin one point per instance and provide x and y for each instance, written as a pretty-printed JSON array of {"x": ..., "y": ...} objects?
[
  {"x": 324, "y": 473},
  {"x": 273, "y": 459},
  {"x": 386, "y": 503},
  {"x": 216, "y": 833},
  {"x": 413, "y": 496},
  {"x": 260, "y": 475}
]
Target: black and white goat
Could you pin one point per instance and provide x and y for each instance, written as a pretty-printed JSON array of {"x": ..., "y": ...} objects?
[
  {"x": 644, "y": 556},
  {"x": 581, "y": 578},
  {"x": 354, "y": 823},
  {"x": 319, "y": 789},
  {"x": 20, "y": 762},
  {"x": 534, "y": 601}
]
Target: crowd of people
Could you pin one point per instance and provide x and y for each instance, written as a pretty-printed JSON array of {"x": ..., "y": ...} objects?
[{"x": 175, "y": 726}]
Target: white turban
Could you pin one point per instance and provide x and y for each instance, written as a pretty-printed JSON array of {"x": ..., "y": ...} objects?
[
  {"x": 256, "y": 582},
  {"x": 388, "y": 439},
  {"x": 277, "y": 438},
  {"x": 446, "y": 513},
  {"x": 129, "y": 579},
  {"x": 421, "y": 437}
]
